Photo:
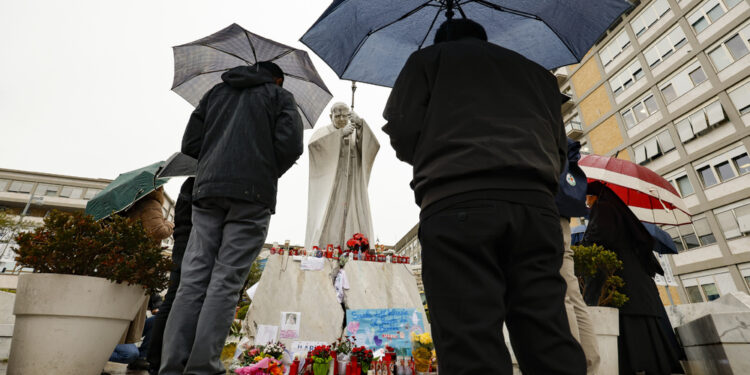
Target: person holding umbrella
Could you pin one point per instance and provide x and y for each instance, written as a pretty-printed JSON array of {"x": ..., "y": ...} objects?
[
  {"x": 482, "y": 128},
  {"x": 245, "y": 133},
  {"x": 644, "y": 345}
]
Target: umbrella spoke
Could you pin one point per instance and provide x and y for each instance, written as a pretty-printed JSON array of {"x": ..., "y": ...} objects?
[
  {"x": 431, "y": 25},
  {"x": 228, "y": 53},
  {"x": 415, "y": 10},
  {"x": 252, "y": 47},
  {"x": 506, "y": 10}
]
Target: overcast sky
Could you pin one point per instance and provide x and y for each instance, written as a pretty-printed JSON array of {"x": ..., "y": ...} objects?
[{"x": 85, "y": 91}]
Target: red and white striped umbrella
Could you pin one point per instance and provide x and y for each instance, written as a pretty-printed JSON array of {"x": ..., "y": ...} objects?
[{"x": 651, "y": 198}]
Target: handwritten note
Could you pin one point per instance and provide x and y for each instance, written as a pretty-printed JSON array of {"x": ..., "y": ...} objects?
[{"x": 376, "y": 328}]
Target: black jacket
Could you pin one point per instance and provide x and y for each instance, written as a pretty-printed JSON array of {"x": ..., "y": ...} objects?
[
  {"x": 470, "y": 115},
  {"x": 246, "y": 132}
]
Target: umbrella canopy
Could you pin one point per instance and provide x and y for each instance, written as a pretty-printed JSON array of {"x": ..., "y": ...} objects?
[
  {"x": 179, "y": 165},
  {"x": 198, "y": 66},
  {"x": 651, "y": 198},
  {"x": 576, "y": 234},
  {"x": 124, "y": 191},
  {"x": 370, "y": 40}
]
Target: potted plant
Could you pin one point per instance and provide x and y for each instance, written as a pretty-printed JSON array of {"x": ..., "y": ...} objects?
[
  {"x": 363, "y": 357},
  {"x": 422, "y": 351},
  {"x": 89, "y": 281},
  {"x": 321, "y": 359},
  {"x": 595, "y": 268}
]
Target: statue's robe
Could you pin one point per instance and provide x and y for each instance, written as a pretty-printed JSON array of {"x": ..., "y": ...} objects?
[{"x": 338, "y": 205}]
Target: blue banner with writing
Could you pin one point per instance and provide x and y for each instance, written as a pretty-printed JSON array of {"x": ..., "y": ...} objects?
[{"x": 376, "y": 328}]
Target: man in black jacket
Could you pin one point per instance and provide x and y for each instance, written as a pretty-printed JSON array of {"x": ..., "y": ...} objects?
[
  {"x": 481, "y": 125},
  {"x": 246, "y": 132}
]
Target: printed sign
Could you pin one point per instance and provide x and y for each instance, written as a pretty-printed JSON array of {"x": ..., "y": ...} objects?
[
  {"x": 290, "y": 325},
  {"x": 376, "y": 328}
]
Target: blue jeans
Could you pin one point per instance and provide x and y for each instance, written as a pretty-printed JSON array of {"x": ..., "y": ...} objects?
[{"x": 124, "y": 353}]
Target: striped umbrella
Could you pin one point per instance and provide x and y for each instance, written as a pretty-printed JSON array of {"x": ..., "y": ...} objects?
[{"x": 651, "y": 198}]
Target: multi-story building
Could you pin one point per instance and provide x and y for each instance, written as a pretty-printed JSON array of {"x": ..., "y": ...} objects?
[
  {"x": 668, "y": 87},
  {"x": 28, "y": 196}
]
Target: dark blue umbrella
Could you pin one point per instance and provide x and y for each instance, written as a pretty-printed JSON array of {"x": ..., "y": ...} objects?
[
  {"x": 663, "y": 243},
  {"x": 370, "y": 40}
]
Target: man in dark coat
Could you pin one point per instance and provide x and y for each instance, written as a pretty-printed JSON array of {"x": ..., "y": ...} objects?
[
  {"x": 481, "y": 125},
  {"x": 246, "y": 132}
]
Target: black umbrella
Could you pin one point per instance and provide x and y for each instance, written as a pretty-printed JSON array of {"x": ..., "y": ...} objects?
[{"x": 198, "y": 66}]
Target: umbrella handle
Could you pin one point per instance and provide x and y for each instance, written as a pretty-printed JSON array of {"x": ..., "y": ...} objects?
[{"x": 449, "y": 10}]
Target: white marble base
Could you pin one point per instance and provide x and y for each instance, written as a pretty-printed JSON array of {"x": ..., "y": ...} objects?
[
  {"x": 717, "y": 343},
  {"x": 685, "y": 313},
  {"x": 285, "y": 287},
  {"x": 7, "y": 321},
  {"x": 606, "y": 321}
]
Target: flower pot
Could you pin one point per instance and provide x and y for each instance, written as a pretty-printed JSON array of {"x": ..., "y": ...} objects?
[
  {"x": 69, "y": 325},
  {"x": 606, "y": 322},
  {"x": 320, "y": 368}
]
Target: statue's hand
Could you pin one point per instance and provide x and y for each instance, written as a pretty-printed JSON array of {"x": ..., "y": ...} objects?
[
  {"x": 355, "y": 119},
  {"x": 348, "y": 129}
]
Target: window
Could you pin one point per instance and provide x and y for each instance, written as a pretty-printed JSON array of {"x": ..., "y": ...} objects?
[
  {"x": 694, "y": 294},
  {"x": 735, "y": 46},
  {"x": 21, "y": 186},
  {"x": 691, "y": 236},
  {"x": 639, "y": 111},
  {"x": 734, "y": 221},
  {"x": 741, "y": 98},
  {"x": 682, "y": 82},
  {"x": 626, "y": 78},
  {"x": 709, "y": 13},
  {"x": 653, "y": 147},
  {"x": 699, "y": 121},
  {"x": 47, "y": 190},
  {"x": 664, "y": 47},
  {"x": 614, "y": 48},
  {"x": 707, "y": 176},
  {"x": 697, "y": 76},
  {"x": 649, "y": 16},
  {"x": 71, "y": 192},
  {"x": 684, "y": 186},
  {"x": 742, "y": 163},
  {"x": 4, "y": 184},
  {"x": 725, "y": 171},
  {"x": 90, "y": 193},
  {"x": 710, "y": 291}
]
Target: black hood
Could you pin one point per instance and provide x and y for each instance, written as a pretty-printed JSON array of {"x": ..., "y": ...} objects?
[{"x": 246, "y": 76}]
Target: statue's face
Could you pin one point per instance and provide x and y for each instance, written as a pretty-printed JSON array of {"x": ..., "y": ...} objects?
[{"x": 340, "y": 116}]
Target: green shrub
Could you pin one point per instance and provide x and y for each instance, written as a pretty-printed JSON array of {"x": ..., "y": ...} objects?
[
  {"x": 74, "y": 244},
  {"x": 594, "y": 263}
]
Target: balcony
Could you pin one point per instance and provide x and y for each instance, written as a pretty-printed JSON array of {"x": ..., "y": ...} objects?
[
  {"x": 561, "y": 74},
  {"x": 573, "y": 128}
]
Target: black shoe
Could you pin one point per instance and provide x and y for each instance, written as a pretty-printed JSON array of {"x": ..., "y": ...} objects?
[{"x": 139, "y": 364}]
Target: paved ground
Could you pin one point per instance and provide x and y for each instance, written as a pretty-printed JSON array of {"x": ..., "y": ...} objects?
[{"x": 112, "y": 368}]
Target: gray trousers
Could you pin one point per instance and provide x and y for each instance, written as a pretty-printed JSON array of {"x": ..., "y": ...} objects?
[
  {"x": 226, "y": 237},
  {"x": 578, "y": 317}
]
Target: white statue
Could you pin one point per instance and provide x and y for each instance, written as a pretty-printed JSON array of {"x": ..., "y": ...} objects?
[{"x": 341, "y": 158}]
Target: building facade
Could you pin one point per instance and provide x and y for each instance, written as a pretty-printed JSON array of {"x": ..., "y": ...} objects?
[
  {"x": 29, "y": 196},
  {"x": 668, "y": 87}
]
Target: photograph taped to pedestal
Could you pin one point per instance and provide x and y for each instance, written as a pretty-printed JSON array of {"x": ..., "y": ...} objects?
[
  {"x": 266, "y": 334},
  {"x": 290, "y": 322}
]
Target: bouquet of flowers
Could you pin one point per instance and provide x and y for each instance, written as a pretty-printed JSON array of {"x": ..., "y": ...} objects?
[
  {"x": 364, "y": 357},
  {"x": 358, "y": 242},
  {"x": 343, "y": 346},
  {"x": 321, "y": 357},
  {"x": 262, "y": 360},
  {"x": 422, "y": 351}
]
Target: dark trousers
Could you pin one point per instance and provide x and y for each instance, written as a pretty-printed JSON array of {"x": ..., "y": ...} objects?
[
  {"x": 227, "y": 235},
  {"x": 490, "y": 261},
  {"x": 148, "y": 330},
  {"x": 160, "y": 321}
]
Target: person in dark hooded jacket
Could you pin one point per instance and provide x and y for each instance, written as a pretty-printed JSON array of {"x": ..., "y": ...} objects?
[
  {"x": 245, "y": 132},
  {"x": 644, "y": 345},
  {"x": 482, "y": 128}
]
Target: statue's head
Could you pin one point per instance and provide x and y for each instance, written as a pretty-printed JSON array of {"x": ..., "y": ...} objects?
[{"x": 339, "y": 115}]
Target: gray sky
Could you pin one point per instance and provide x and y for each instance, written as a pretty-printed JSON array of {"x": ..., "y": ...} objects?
[{"x": 85, "y": 91}]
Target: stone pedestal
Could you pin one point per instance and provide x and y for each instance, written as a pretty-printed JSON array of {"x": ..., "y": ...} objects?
[
  {"x": 718, "y": 343},
  {"x": 285, "y": 287},
  {"x": 374, "y": 285},
  {"x": 606, "y": 321},
  {"x": 7, "y": 319}
]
